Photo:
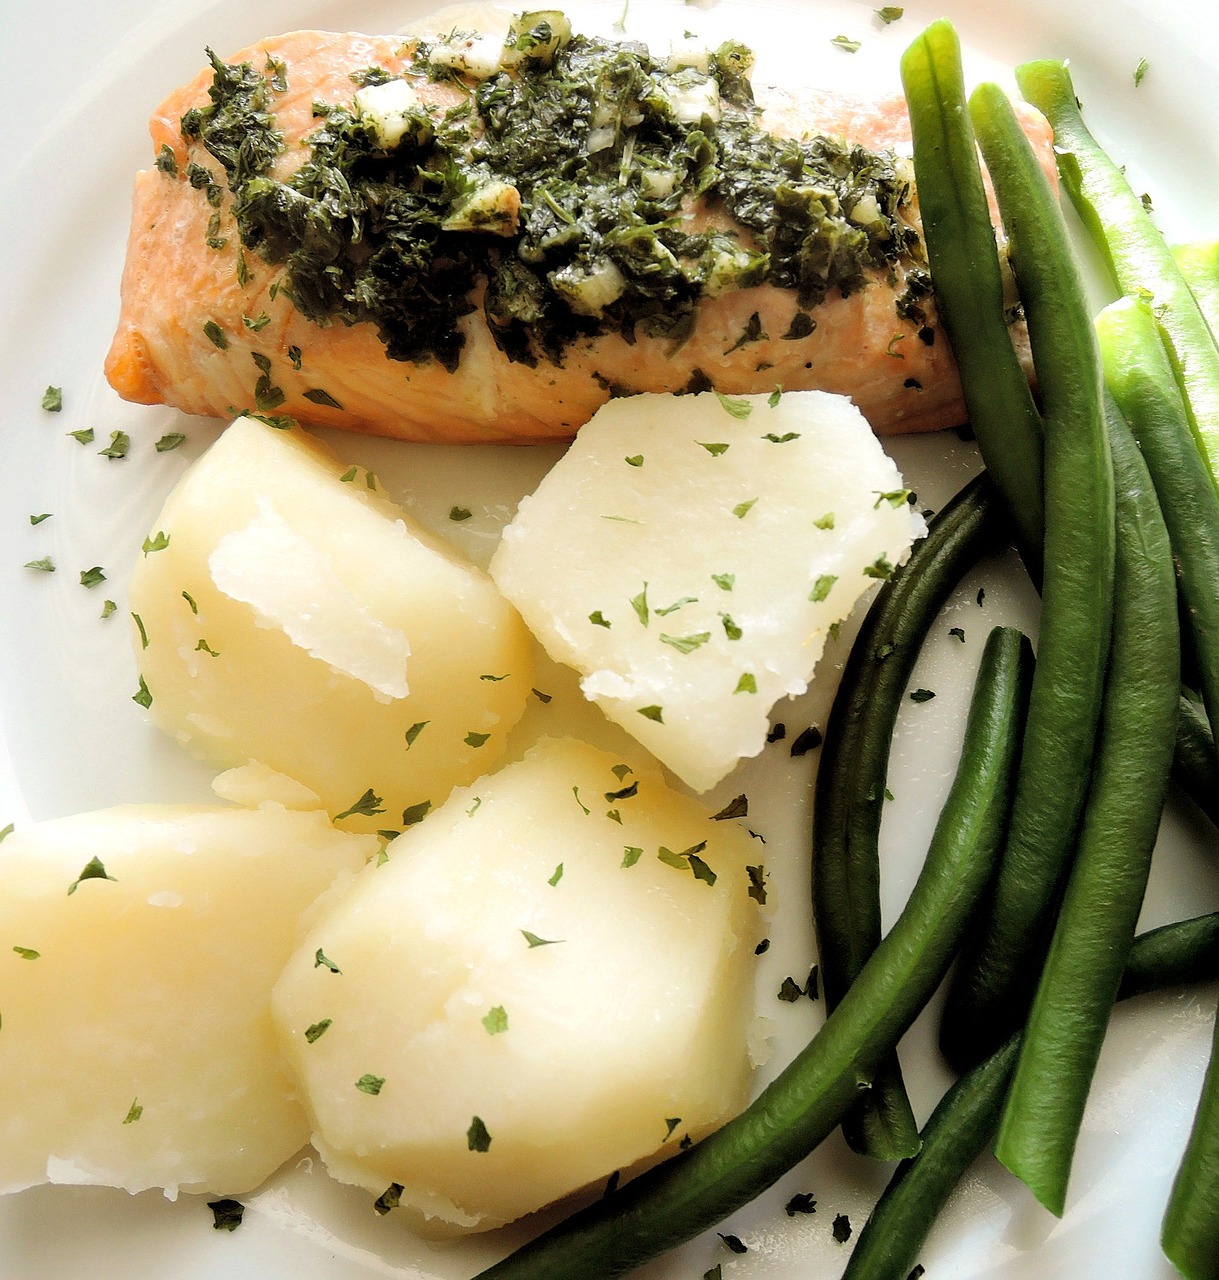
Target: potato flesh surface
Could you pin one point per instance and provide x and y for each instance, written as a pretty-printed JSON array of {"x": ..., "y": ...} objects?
[
  {"x": 316, "y": 607},
  {"x": 152, "y": 990},
  {"x": 673, "y": 557},
  {"x": 633, "y": 1015}
]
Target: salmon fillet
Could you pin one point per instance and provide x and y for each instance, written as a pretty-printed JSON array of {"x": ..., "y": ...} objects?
[{"x": 197, "y": 333}]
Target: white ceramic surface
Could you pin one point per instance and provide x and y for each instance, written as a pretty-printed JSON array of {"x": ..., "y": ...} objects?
[{"x": 77, "y": 84}]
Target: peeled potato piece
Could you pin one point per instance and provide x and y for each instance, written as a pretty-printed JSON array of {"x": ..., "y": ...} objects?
[
  {"x": 289, "y": 614},
  {"x": 689, "y": 556},
  {"x": 549, "y": 980},
  {"x": 138, "y": 946}
]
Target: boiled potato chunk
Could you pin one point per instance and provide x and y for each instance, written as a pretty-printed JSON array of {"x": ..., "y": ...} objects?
[
  {"x": 689, "y": 556},
  {"x": 138, "y": 947},
  {"x": 290, "y": 615},
  {"x": 548, "y": 980}
]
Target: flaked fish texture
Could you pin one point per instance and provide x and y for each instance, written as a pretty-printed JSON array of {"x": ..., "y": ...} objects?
[{"x": 473, "y": 238}]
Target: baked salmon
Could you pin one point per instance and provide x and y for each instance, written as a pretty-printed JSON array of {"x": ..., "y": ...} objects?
[{"x": 329, "y": 232}]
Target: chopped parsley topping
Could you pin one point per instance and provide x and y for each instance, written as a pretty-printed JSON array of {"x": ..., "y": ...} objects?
[
  {"x": 473, "y": 739},
  {"x": 652, "y": 713},
  {"x": 495, "y": 1020},
  {"x": 880, "y": 568},
  {"x": 120, "y": 444},
  {"x": 734, "y": 406},
  {"x": 226, "y": 1214},
  {"x": 631, "y": 854},
  {"x": 958, "y": 632},
  {"x": 598, "y": 619},
  {"x": 322, "y": 961},
  {"x": 171, "y": 440},
  {"x": 91, "y": 577},
  {"x": 806, "y": 740},
  {"x": 677, "y": 604},
  {"x": 495, "y": 679},
  {"x": 557, "y": 185},
  {"x": 370, "y": 1084},
  {"x": 890, "y": 13},
  {"x": 671, "y": 1124},
  {"x": 626, "y": 793},
  {"x": 801, "y": 1202},
  {"x": 52, "y": 399},
  {"x": 416, "y": 813},
  {"x": 389, "y": 1199},
  {"x": 1140, "y": 71},
  {"x": 635, "y": 460},
  {"x": 458, "y": 514},
  {"x": 318, "y": 396},
  {"x": 757, "y": 884},
  {"x": 790, "y": 990},
  {"x": 134, "y": 1112},
  {"x": 258, "y": 323},
  {"x": 46, "y": 515},
  {"x": 725, "y": 581},
  {"x": 735, "y": 1243},
  {"x": 534, "y": 941},
  {"x": 7, "y": 831},
  {"x": 842, "y": 1228},
  {"x": 44, "y": 565},
  {"x": 845, "y": 42},
  {"x": 575, "y": 791},
  {"x": 783, "y": 439},
  {"x": 715, "y": 449},
  {"x": 555, "y": 876},
  {"x": 825, "y": 522},
  {"x": 741, "y": 510},
  {"x": 367, "y": 806},
  {"x": 477, "y": 1137},
  {"x": 190, "y": 600},
  {"x": 686, "y": 644},
  {"x": 640, "y": 604},
  {"x": 738, "y": 807},
  {"x": 822, "y": 587},
  {"x": 543, "y": 698},
  {"x": 142, "y": 695},
  {"x": 156, "y": 542},
  {"x": 316, "y": 1030},
  {"x": 414, "y": 731},
  {"x": 748, "y": 683},
  {"x": 688, "y": 859},
  {"x": 28, "y": 953},
  {"x": 83, "y": 436},
  {"x": 775, "y": 396},
  {"x": 921, "y": 695},
  {"x": 93, "y": 870},
  {"x": 215, "y": 334}
]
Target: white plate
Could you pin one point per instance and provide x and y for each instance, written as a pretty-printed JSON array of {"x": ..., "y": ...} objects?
[{"x": 75, "y": 99}]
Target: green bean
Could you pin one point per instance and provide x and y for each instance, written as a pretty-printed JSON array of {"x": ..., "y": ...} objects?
[
  {"x": 1195, "y": 771},
  {"x": 851, "y": 782},
  {"x": 964, "y": 261},
  {"x": 1199, "y": 268},
  {"x": 674, "y": 1201},
  {"x": 963, "y": 1123},
  {"x": 1140, "y": 375},
  {"x": 991, "y": 985},
  {"x": 1100, "y": 907},
  {"x": 1136, "y": 253}
]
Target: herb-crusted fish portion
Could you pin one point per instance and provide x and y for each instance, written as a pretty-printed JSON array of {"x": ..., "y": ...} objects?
[{"x": 485, "y": 237}]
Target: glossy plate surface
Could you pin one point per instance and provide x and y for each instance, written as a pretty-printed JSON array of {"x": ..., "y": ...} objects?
[{"x": 75, "y": 103}]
